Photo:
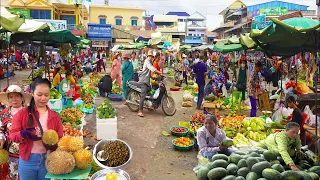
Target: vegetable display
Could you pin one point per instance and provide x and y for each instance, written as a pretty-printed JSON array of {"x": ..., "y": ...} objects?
[
  {"x": 183, "y": 141},
  {"x": 116, "y": 152},
  {"x": 54, "y": 94},
  {"x": 105, "y": 110},
  {"x": 178, "y": 129},
  {"x": 72, "y": 116},
  {"x": 198, "y": 117}
]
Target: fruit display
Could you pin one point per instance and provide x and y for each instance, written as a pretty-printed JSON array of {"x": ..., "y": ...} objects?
[
  {"x": 235, "y": 122},
  {"x": 71, "y": 130},
  {"x": 256, "y": 129},
  {"x": 183, "y": 142},
  {"x": 227, "y": 142},
  {"x": 230, "y": 132},
  {"x": 194, "y": 127},
  {"x": 178, "y": 130},
  {"x": 112, "y": 176},
  {"x": 105, "y": 110},
  {"x": 240, "y": 140},
  {"x": 86, "y": 105},
  {"x": 54, "y": 94},
  {"x": 4, "y": 156},
  {"x": 218, "y": 104},
  {"x": 60, "y": 162},
  {"x": 70, "y": 143},
  {"x": 116, "y": 152},
  {"x": 87, "y": 98},
  {"x": 171, "y": 73},
  {"x": 116, "y": 89},
  {"x": 83, "y": 158},
  {"x": 50, "y": 137},
  {"x": 71, "y": 115},
  {"x": 89, "y": 88},
  {"x": 256, "y": 164},
  {"x": 94, "y": 79},
  {"x": 198, "y": 117}
]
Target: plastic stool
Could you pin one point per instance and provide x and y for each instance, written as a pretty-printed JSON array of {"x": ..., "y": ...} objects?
[{"x": 236, "y": 97}]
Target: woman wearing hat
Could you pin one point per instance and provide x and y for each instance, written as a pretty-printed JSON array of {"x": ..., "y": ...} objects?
[
  {"x": 28, "y": 126},
  {"x": 127, "y": 73},
  {"x": 14, "y": 98}
]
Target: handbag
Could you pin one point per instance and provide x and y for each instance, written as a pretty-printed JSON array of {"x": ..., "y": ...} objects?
[{"x": 241, "y": 86}]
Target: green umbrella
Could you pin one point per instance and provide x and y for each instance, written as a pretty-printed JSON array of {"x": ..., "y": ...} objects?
[
  {"x": 228, "y": 48},
  {"x": 302, "y": 23}
]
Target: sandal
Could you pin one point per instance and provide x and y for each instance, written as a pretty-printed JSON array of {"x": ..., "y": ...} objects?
[{"x": 140, "y": 114}]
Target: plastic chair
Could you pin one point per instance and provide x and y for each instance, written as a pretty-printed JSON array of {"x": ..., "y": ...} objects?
[{"x": 236, "y": 97}]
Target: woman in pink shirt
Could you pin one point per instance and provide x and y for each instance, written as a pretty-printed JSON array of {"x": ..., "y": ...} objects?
[
  {"x": 210, "y": 138},
  {"x": 115, "y": 69},
  {"x": 27, "y": 129}
]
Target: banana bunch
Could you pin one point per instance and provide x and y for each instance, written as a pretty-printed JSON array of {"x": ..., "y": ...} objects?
[
  {"x": 240, "y": 139},
  {"x": 230, "y": 132}
]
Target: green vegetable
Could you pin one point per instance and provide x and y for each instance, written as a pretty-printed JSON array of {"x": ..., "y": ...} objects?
[
  {"x": 235, "y": 158},
  {"x": 251, "y": 161},
  {"x": 219, "y": 156},
  {"x": 315, "y": 169},
  {"x": 229, "y": 177},
  {"x": 105, "y": 110},
  {"x": 242, "y": 163},
  {"x": 305, "y": 176}
]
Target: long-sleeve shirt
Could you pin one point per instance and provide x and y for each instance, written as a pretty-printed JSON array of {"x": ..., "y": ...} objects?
[
  {"x": 282, "y": 144},
  {"x": 207, "y": 142},
  {"x": 145, "y": 74},
  {"x": 56, "y": 80},
  {"x": 116, "y": 67},
  {"x": 253, "y": 84}
]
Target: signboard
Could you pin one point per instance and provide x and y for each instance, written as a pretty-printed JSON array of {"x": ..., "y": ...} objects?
[
  {"x": 276, "y": 11},
  {"x": 99, "y": 43},
  {"x": 25, "y": 12},
  {"x": 100, "y": 31},
  {"x": 260, "y": 19},
  {"x": 58, "y": 24},
  {"x": 260, "y": 26}
]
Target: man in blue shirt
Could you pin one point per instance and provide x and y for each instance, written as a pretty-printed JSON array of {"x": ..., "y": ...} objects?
[{"x": 200, "y": 69}]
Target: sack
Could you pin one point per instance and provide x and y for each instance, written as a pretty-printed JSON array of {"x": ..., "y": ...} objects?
[
  {"x": 241, "y": 86},
  {"x": 187, "y": 104},
  {"x": 187, "y": 97}
]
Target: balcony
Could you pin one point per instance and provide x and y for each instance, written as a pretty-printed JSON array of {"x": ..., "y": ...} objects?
[
  {"x": 168, "y": 29},
  {"x": 127, "y": 27}
]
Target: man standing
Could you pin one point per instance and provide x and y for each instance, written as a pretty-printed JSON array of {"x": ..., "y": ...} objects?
[
  {"x": 136, "y": 66},
  {"x": 185, "y": 65},
  {"x": 144, "y": 79},
  {"x": 200, "y": 69}
]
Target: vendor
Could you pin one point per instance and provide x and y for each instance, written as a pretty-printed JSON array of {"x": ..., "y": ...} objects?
[
  {"x": 287, "y": 143},
  {"x": 210, "y": 137},
  {"x": 254, "y": 88},
  {"x": 296, "y": 116},
  {"x": 303, "y": 71},
  {"x": 71, "y": 79},
  {"x": 105, "y": 85},
  {"x": 56, "y": 79}
]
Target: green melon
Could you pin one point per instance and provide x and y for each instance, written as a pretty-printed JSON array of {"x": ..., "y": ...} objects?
[
  {"x": 202, "y": 173},
  {"x": 220, "y": 163},
  {"x": 217, "y": 173},
  {"x": 252, "y": 176},
  {"x": 243, "y": 171},
  {"x": 254, "y": 154},
  {"x": 278, "y": 167},
  {"x": 315, "y": 169},
  {"x": 271, "y": 174},
  {"x": 251, "y": 161},
  {"x": 305, "y": 176},
  {"x": 315, "y": 176},
  {"x": 242, "y": 163},
  {"x": 229, "y": 177},
  {"x": 235, "y": 158},
  {"x": 219, "y": 156},
  {"x": 270, "y": 156},
  {"x": 227, "y": 142},
  {"x": 260, "y": 166},
  {"x": 290, "y": 175},
  {"x": 232, "y": 169}
]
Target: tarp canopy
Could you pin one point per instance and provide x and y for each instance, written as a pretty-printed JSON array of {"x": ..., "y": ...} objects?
[
  {"x": 8, "y": 21},
  {"x": 203, "y": 47},
  {"x": 59, "y": 36},
  {"x": 228, "y": 48},
  {"x": 286, "y": 38}
]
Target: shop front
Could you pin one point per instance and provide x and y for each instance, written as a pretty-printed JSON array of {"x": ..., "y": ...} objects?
[{"x": 100, "y": 36}]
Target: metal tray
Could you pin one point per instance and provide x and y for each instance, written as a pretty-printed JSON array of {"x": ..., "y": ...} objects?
[{"x": 101, "y": 175}]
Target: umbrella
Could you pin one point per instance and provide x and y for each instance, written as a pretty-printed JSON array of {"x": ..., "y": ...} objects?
[
  {"x": 8, "y": 21},
  {"x": 302, "y": 23},
  {"x": 228, "y": 48}
]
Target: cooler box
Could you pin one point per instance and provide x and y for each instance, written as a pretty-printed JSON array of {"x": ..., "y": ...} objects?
[
  {"x": 55, "y": 104},
  {"x": 107, "y": 128}
]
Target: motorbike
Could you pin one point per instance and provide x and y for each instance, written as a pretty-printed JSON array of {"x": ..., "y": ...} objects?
[
  {"x": 177, "y": 75},
  {"x": 152, "y": 101}
]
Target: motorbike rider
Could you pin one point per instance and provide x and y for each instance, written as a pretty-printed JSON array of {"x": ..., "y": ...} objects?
[{"x": 144, "y": 79}]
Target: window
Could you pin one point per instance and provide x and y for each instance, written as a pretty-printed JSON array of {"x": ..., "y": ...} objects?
[
  {"x": 40, "y": 14},
  {"x": 103, "y": 21},
  {"x": 119, "y": 22},
  {"x": 134, "y": 22}
]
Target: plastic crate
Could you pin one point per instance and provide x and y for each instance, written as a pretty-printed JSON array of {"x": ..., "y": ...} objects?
[
  {"x": 115, "y": 97},
  {"x": 107, "y": 128}
]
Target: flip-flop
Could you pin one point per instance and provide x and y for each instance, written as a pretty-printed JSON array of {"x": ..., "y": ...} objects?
[{"x": 140, "y": 114}]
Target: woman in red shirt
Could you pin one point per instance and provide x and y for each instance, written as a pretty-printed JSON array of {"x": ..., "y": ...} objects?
[{"x": 27, "y": 129}]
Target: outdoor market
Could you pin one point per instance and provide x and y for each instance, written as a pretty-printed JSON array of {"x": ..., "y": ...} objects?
[{"x": 251, "y": 103}]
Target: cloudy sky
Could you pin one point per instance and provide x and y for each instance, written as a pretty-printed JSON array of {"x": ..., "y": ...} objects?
[{"x": 209, "y": 8}]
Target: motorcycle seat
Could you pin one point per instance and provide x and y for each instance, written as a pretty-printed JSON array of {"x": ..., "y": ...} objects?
[{"x": 134, "y": 85}]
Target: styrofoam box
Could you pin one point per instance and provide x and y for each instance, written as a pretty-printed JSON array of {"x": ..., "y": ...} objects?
[
  {"x": 55, "y": 104},
  {"x": 107, "y": 128}
]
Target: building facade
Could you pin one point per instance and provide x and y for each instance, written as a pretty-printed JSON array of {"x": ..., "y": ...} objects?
[{"x": 196, "y": 29}]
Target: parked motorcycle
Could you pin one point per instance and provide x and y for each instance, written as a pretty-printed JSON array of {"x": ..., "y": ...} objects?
[
  {"x": 177, "y": 75},
  {"x": 159, "y": 98}
]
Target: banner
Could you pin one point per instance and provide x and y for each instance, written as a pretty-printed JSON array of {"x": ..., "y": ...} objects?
[
  {"x": 100, "y": 31},
  {"x": 276, "y": 11},
  {"x": 58, "y": 24}
]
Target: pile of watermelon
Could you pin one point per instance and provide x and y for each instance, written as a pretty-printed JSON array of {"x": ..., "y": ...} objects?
[{"x": 256, "y": 165}]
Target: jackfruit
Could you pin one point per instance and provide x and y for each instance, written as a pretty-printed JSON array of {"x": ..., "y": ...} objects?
[
  {"x": 4, "y": 156},
  {"x": 60, "y": 162},
  {"x": 83, "y": 158},
  {"x": 70, "y": 143},
  {"x": 50, "y": 137}
]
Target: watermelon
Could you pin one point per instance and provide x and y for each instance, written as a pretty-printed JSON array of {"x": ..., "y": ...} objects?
[
  {"x": 217, "y": 173},
  {"x": 271, "y": 174}
]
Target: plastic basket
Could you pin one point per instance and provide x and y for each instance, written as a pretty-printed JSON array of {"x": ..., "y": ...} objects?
[
  {"x": 87, "y": 111},
  {"x": 115, "y": 97},
  {"x": 179, "y": 134},
  {"x": 184, "y": 124},
  {"x": 182, "y": 148}
]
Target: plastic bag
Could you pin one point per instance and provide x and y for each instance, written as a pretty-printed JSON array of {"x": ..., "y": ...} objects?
[
  {"x": 202, "y": 160},
  {"x": 156, "y": 93},
  {"x": 311, "y": 119},
  {"x": 77, "y": 102},
  {"x": 277, "y": 116},
  {"x": 187, "y": 97},
  {"x": 286, "y": 111}
]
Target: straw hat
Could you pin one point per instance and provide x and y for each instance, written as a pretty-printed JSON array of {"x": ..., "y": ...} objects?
[
  {"x": 150, "y": 53},
  {"x": 14, "y": 88},
  {"x": 184, "y": 56}
]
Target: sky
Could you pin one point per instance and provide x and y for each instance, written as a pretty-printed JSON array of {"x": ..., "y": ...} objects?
[{"x": 208, "y": 8}]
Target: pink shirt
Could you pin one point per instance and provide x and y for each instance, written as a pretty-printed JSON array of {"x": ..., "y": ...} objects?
[
  {"x": 38, "y": 147},
  {"x": 116, "y": 66}
]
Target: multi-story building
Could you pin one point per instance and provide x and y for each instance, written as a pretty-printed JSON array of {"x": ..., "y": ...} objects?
[
  {"x": 239, "y": 18},
  {"x": 182, "y": 20},
  {"x": 122, "y": 20},
  {"x": 196, "y": 29},
  {"x": 63, "y": 16}
]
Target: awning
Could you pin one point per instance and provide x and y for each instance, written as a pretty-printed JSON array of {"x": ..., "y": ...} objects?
[{"x": 237, "y": 26}]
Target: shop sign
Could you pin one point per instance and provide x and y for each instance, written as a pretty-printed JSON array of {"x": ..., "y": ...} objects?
[
  {"x": 100, "y": 31},
  {"x": 260, "y": 19},
  {"x": 260, "y": 26},
  {"x": 25, "y": 12},
  {"x": 99, "y": 43},
  {"x": 276, "y": 11},
  {"x": 58, "y": 24}
]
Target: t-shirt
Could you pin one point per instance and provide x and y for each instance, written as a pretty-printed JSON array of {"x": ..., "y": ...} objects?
[
  {"x": 106, "y": 83},
  {"x": 38, "y": 147},
  {"x": 200, "y": 69},
  {"x": 297, "y": 116},
  {"x": 145, "y": 74}
]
